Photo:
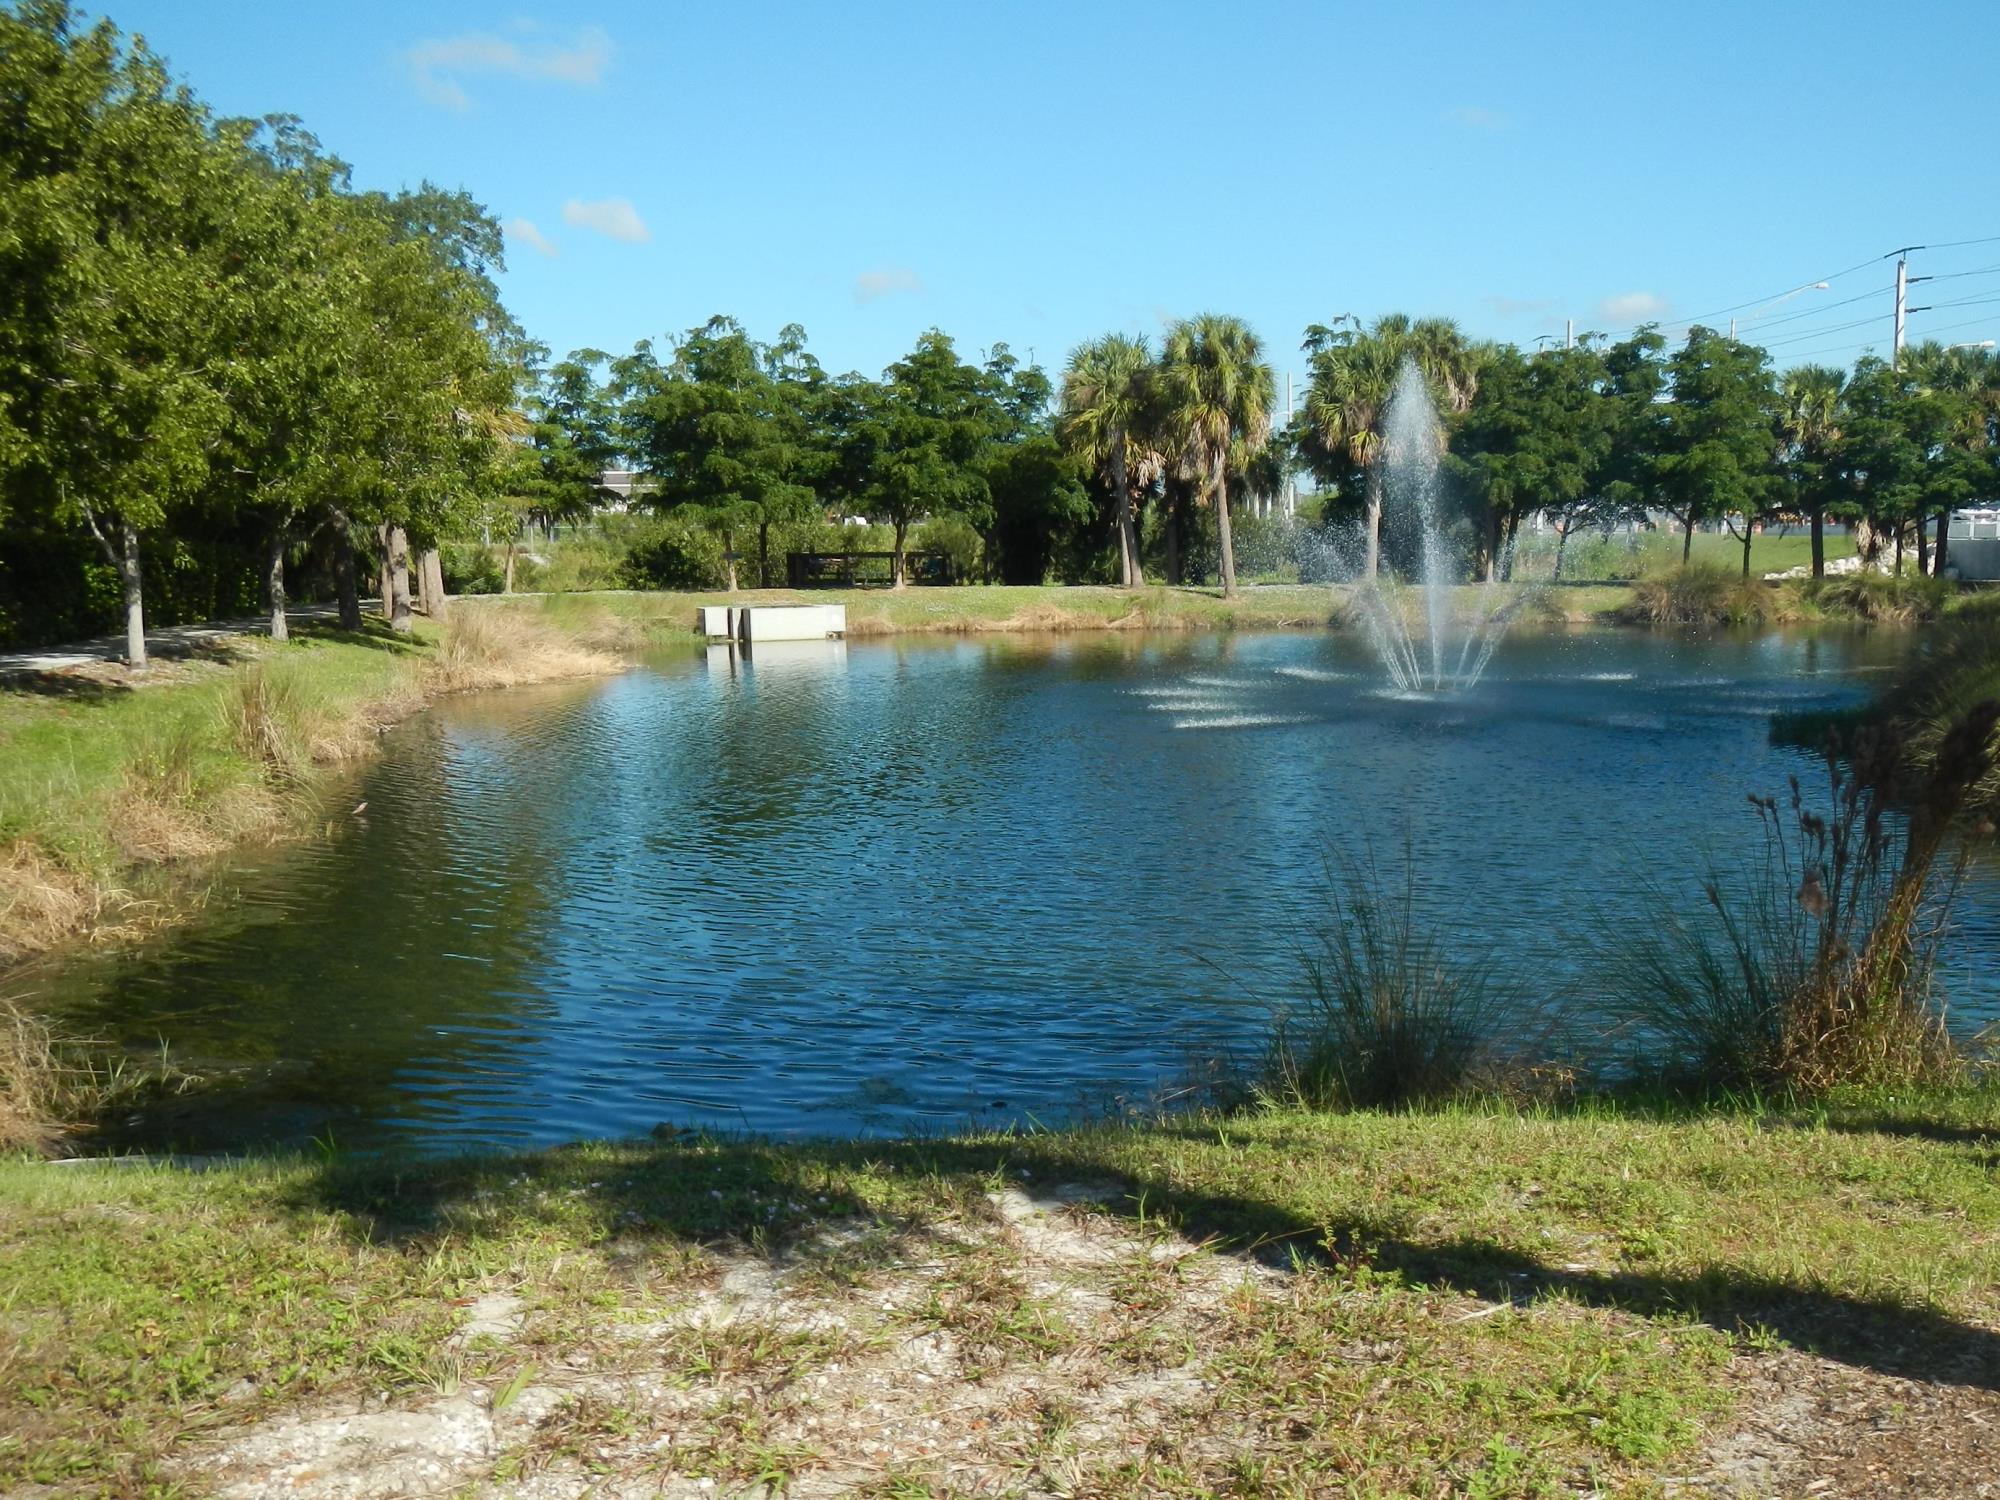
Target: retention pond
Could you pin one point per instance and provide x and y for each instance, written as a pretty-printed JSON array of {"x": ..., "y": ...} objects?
[{"x": 912, "y": 884}]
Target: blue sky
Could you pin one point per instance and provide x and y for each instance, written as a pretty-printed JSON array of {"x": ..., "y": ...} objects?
[{"x": 1041, "y": 173}]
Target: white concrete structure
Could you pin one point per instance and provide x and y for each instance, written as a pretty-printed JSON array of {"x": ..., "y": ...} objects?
[
  {"x": 790, "y": 622},
  {"x": 716, "y": 621},
  {"x": 1973, "y": 548}
]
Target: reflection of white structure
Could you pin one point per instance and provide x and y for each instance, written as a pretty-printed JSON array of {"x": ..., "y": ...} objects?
[{"x": 1972, "y": 548}]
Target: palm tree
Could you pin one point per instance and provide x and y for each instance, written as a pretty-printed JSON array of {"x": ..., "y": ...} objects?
[
  {"x": 1810, "y": 409},
  {"x": 1218, "y": 392},
  {"x": 1105, "y": 406},
  {"x": 1354, "y": 372}
]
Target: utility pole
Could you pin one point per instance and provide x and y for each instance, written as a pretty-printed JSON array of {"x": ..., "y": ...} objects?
[
  {"x": 1569, "y": 333},
  {"x": 1904, "y": 280}
]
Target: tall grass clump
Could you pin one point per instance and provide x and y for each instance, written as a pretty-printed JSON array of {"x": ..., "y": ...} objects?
[
  {"x": 1819, "y": 970},
  {"x": 489, "y": 646},
  {"x": 1388, "y": 1017},
  {"x": 1879, "y": 598},
  {"x": 1700, "y": 594}
]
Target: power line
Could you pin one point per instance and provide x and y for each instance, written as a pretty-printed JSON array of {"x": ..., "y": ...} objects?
[
  {"x": 1815, "y": 333},
  {"x": 1991, "y": 239}
]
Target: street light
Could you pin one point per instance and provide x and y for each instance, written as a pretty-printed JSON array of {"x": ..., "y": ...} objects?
[{"x": 1982, "y": 344}]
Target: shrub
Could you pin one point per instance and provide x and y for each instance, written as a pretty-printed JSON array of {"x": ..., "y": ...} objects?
[
  {"x": 670, "y": 553},
  {"x": 1388, "y": 1017},
  {"x": 471, "y": 568},
  {"x": 956, "y": 539}
]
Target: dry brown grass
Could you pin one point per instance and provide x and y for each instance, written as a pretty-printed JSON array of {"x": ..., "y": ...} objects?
[
  {"x": 42, "y": 902},
  {"x": 488, "y": 646}
]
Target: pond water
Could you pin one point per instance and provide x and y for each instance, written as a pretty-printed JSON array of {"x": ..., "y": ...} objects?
[{"x": 898, "y": 886}]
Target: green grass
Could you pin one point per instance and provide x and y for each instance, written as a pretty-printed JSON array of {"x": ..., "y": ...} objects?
[{"x": 151, "y": 1308}]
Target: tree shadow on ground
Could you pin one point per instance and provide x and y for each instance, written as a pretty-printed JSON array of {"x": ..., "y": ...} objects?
[
  {"x": 79, "y": 687},
  {"x": 373, "y": 633},
  {"x": 769, "y": 1198}
]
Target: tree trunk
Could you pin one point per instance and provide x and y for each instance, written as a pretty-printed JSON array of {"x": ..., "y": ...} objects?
[
  {"x": 1938, "y": 553},
  {"x": 274, "y": 584},
  {"x": 1489, "y": 545},
  {"x": 1562, "y": 541},
  {"x": 1819, "y": 541},
  {"x": 507, "y": 571},
  {"x": 1507, "y": 547},
  {"x": 430, "y": 566},
  {"x": 763, "y": 554},
  {"x": 729, "y": 561},
  {"x": 1899, "y": 549},
  {"x": 345, "y": 588},
  {"x": 1222, "y": 527},
  {"x": 396, "y": 573},
  {"x": 1923, "y": 547},
  {"x": 133, "y": 580},
  {"x": 1748, "y": 536},
  {"x": 1374, "y": 522},
  {"x": 896, "y": 578},
  {"x": 1175, "y": 575},
  {"x": 1128, "y": 544},
  {"x": 1687, "y": 541}
]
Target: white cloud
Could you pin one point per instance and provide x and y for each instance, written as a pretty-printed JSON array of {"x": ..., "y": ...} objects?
[
  {"x": 885, "y": 281},
  {"x": 1633, "y": 307},
  {"x": 439, "y": 63},
  {"x": 525, "y": 231},
  {"x": 1478, "y": 118},
  {"x": 613, "y": 216}
]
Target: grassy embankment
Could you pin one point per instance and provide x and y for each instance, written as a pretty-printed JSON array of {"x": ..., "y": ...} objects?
[
  {"x": 1474, "y": 1301},
  {"x": 113, "y": 783}
]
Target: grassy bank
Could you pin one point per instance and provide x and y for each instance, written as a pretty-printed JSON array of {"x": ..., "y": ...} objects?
[
  {"x": 1478, "y": 1302},
  {"x": 114, "y": 784},
  {"x": 1060, "y": 608}
]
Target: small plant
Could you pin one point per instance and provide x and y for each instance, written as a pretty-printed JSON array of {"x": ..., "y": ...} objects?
[{"x": 1388, "y": 1018}]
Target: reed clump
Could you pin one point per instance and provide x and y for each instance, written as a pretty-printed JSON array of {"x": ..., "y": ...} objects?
[
  {"x": 1389, "y": 1017},
  {"x": 1819, "y": 971}
]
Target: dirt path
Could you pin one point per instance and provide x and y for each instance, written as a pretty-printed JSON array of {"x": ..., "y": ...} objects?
[{"x": 1042, "y": 1350}]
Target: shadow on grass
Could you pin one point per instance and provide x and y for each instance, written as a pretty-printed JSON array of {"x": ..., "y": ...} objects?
[
  {"x": 765, "y": 1197},
  {"x": 80, "y": 687},
  {"x": 374, "y": 632}
]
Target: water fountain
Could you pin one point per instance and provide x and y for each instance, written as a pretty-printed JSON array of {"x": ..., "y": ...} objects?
[{"x": 1455, "y": 643}]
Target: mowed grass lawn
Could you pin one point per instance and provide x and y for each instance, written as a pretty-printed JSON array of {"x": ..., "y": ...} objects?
[{"x": 1480, "y": 1302}]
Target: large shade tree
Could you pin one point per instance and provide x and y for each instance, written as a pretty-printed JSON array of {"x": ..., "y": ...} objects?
[{"x": 1217, "y": 391}]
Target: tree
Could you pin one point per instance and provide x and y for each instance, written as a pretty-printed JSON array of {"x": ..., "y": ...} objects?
[
  {"x": 116, "y": 265},
  {"x": 1217, "y": 392},
  {"x": 723, "y": 430},
  {"x": 556, "y": 475},
  {"x": 1038, "y": 505},
  {"x": 1960, "y": 394},
  {"x": 1106, "y": 402},
  {"x": 1811, "y": 405},
  {"x": 1715, "y": 455},
  {"x": 923, "y": 430}
]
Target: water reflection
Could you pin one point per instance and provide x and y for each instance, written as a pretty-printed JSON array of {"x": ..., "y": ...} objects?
[{"x": 893, "y": 885}]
